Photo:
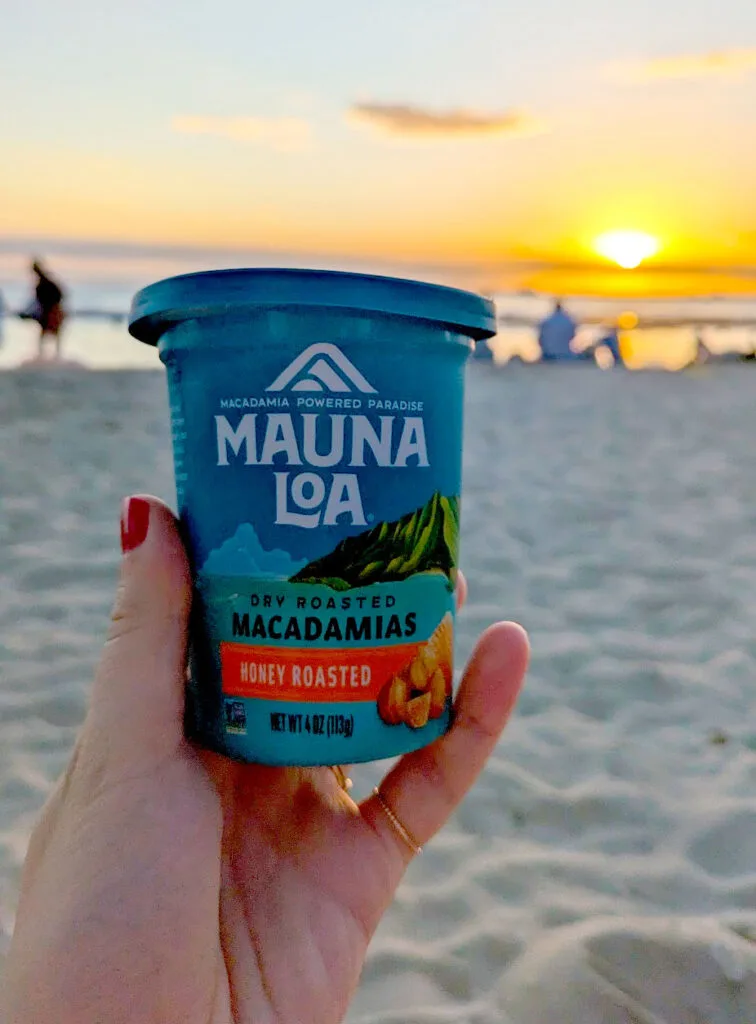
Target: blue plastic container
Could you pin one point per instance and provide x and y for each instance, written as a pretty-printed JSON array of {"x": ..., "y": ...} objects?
[{"x": 317, "y": 432}]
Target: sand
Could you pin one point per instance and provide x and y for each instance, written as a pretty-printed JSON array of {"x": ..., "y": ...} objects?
[{"x": 604, "y": 868}]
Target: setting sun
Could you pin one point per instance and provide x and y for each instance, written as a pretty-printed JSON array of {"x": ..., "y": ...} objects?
[{"x": 626, "y": 248}]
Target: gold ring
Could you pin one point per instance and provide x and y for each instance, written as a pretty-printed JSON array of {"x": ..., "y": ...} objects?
[
  {"x": 404, "y": 834},
  {"x": 341, "y": 777}
]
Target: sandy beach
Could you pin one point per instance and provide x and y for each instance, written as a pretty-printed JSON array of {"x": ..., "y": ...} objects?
[{"x": 603, "y": 870}]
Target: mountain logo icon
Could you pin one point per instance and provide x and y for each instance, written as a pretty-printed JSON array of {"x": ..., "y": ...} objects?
[{"x": 322, "y": 367}]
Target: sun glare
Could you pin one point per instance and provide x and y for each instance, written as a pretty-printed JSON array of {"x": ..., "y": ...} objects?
[{"x": 626, "y": 248}]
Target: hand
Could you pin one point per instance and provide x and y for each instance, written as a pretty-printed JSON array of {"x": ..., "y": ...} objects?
[{"x": 165, "y": 884}]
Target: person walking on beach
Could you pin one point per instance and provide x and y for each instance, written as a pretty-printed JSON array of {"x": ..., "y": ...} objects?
[{"x": 48, "y": 311}]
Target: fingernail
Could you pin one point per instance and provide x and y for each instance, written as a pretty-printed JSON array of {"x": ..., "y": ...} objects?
[{"x": 135, "y": 519}]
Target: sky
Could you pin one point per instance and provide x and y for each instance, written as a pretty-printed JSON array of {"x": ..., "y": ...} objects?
[{"x": 499, "y": 141}]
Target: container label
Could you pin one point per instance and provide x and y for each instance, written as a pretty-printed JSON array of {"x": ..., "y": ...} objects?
[{"x": 323, "y": 514}]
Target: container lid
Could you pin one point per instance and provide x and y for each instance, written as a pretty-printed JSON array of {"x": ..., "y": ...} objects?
[{"x": 158, "y": 307}]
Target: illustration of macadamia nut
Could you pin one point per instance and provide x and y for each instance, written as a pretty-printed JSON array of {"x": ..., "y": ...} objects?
[
  {"x": 440, "y": 647},
  {"x": 392, "y": 700},
  {"x": 419, "y": 676},
  {"x": 398, "y": 696},
  {"x": 438, "y": 694},
  {"x": 418, "y": 710},
  {"x": 428, "y": 675},
  {"x": 383, "y": 703}
]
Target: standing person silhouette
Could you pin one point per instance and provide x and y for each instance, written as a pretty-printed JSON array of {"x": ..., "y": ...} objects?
[{"x": 49, "y": 309}]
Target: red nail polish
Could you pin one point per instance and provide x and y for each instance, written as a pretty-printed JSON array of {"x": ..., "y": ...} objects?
[{"x": 135, "y": 520}]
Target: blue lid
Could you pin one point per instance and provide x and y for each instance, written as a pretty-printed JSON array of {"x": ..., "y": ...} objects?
[{"x": 160, "y": 306}]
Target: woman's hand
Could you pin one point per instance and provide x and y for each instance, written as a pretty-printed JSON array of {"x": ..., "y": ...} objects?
[{"x": 166, "y": 884}]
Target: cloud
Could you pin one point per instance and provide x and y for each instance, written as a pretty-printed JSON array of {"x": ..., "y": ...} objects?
[
  {"x": 401, "y": 120},
  {"x": 285, "y": 133},
  {"x": 734, "y": 63}
]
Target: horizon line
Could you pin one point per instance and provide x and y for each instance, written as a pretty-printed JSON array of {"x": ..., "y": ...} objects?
[{"x": 108, "y": 248}]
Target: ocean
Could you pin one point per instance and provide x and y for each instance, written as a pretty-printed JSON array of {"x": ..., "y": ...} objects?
[
  {"x": 100, "y": 341},
  {"x": 100, "y": 280}
]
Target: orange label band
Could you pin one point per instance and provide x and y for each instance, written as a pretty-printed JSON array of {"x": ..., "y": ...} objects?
[{"x": 313, "y": 674}]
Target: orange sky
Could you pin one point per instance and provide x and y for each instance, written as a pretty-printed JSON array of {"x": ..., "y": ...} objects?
[{"x": 423, "y": 136}]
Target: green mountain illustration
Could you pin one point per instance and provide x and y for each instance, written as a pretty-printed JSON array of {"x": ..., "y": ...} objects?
[{"x": 425, "y": 540}]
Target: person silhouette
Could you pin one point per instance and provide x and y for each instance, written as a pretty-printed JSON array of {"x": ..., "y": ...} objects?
[
  {"x": 555, "y": 334},
  {"x": 611, "y": 341},
  {"x": 48, "y": 311}
]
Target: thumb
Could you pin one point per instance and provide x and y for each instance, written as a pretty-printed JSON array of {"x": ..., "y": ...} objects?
[{"x": 138, "y": 695}]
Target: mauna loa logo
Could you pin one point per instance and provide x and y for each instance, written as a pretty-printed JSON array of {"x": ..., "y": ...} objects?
[
  {"x": 322, "y": 367},
  {"x": 314, "y": 456}
]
